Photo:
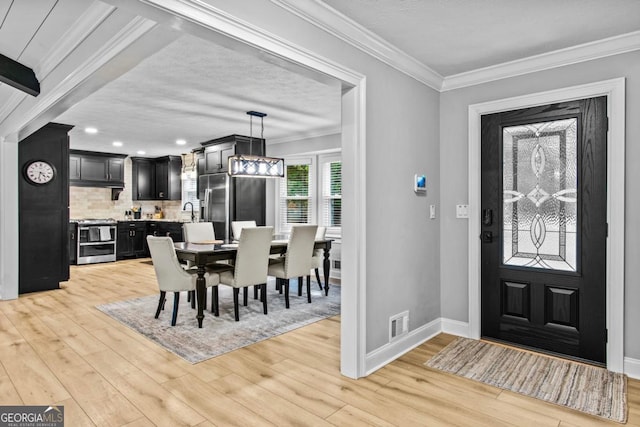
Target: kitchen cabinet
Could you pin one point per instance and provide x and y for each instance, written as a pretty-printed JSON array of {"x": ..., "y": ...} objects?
[
  {"x": 217, "y": 151},
  {"x": 165, "y": 228},
  {"x": 168, "y": 181},
  {"x": 143, "y": 176},
  {"x": 96, "y": 169},
  {"x": 73, "y": 243},
  {"x": 130, "y": 241},
  {"x": 43, "y": 224},
  {"x": 156, "y": 179}
]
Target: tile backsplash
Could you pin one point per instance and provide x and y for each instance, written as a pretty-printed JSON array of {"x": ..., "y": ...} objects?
[{"x": 92, "y": 202}]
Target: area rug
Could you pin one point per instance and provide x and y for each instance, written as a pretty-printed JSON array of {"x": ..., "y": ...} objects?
[
  {"x": 222, "y": 334},
  {"x": 578, "y": 386}
]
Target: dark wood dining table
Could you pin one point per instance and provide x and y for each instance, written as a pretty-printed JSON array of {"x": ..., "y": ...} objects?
[{"x": 202, "y": 254}]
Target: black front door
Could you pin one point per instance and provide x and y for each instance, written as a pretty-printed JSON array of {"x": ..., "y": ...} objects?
[{"x": 544, "y": 228}]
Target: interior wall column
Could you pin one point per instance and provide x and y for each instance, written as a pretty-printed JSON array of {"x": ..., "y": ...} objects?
[{"x": 9, "y": 237}]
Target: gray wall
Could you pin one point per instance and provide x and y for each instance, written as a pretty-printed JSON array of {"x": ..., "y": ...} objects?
[
  {"x": 453, "y": 154},
  {"x": 402, "y": 138}
]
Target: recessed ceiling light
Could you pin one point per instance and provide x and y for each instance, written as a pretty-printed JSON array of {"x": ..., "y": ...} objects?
[
  {"x": 117, "y": 144},
  {"x": 91, "y": 130},
  {"x": 142, "y": 152},
  {"x": 181, "y": 141}
]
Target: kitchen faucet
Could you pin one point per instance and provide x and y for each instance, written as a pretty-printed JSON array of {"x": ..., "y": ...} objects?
[{"x": 193, "y": 215}]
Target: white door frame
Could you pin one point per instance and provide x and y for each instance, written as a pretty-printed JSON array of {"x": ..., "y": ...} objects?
[
  {"x": 353, "y": 316},
  {"x": 614, "y": 90}
]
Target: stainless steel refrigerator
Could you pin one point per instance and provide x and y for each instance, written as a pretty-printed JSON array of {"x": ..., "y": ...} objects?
[{"x": 224, "y": 199}]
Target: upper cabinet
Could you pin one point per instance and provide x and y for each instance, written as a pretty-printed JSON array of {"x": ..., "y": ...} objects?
[
  {"x": 217, "y": 151},
  {"x": 156, "y": 179},
  {"x": 94, "y": 169}
]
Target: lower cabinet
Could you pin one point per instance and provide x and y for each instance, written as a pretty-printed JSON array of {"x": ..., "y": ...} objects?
[{"x": 131, "y": 239}]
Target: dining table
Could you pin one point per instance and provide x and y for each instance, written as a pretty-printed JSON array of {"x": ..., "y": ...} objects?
[{"x": 202, "y": 253}]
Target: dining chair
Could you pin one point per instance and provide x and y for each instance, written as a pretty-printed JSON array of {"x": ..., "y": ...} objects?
[
  {"x": 170, "y": 274},
  {"x": 317, "y": 259},
  {"x": 250, "y": 268},
  {"x": 198, "y": 232},
  {"x": 237, "y": 226},
  {"x": 296, "y": 262}
]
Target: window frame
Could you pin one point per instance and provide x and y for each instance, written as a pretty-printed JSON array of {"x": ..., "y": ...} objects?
[
  {"x": 283, "y": 227},
  {"x": 324, "y": 199}
]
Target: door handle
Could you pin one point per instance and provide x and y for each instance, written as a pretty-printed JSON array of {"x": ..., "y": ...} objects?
[
  {"x": 486, "y": 236},
  {"x": 487, "y": 217}
]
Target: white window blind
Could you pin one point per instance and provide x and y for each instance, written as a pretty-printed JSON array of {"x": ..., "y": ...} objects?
[
  {"x": 331, "y": 194},
  {"x": 296, "y": 195},
  {"x": 190, "y": 193}
]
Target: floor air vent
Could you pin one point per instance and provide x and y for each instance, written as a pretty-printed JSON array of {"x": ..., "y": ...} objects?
[{"x": 398, "y": 325}]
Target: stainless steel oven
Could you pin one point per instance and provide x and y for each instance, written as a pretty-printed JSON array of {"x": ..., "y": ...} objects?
[{"x": 96, "y": 240}]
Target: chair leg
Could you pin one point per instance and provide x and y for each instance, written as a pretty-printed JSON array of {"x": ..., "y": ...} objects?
[
  {"x": 236, "y": 291},
  {"x": 280, "y": 285},
  {"x": 245, "y": 291},
  {"x": 163, "y": 295},
  {"x": 176, "y": 302},
  {"x": 214, "y": 304},
  {"x": 263, "y": 297},
  {"x": 300, "y": 286},
  {"x": 255, "y": 292},
  {"x": 286, "y": 293},
  {"x": 192, "y": 297},
  {"x": 318, "y": 278},
  {"x": 308, "y": 289}
]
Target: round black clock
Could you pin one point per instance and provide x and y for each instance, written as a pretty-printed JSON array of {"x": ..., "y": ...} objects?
[{"x": 39, "y": 172}]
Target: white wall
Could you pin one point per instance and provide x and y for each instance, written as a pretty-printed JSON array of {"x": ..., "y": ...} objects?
[{"x": 454, "y": 177}]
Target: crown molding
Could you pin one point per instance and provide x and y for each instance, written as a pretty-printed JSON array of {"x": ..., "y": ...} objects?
[
  {"x": 344, "y": 28},
  {"x": 558, "y": 58},
  {"x": 71, "y": 39},
  {"x": 318, "y": 133}
]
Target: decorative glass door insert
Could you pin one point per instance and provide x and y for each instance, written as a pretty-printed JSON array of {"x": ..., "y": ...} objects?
[{"x": 540, "y": 195}]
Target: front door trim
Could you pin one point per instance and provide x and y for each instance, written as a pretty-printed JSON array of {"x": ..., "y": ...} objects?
[{"x": 614, "y": 90}]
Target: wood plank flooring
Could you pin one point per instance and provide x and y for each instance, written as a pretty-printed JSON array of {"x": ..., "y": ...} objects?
[{"x": 56, "y": 348}]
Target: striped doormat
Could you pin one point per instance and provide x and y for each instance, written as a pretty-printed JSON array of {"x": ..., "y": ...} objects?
[{"x": 578, "y": 386}]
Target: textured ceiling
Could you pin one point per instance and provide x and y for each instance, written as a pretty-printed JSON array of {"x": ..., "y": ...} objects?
[
  {"x": 196, "y": 91},
  {"x": 454, "y": 36}
]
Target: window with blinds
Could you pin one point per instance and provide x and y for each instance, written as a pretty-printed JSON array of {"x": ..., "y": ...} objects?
[
  {"x": 190, "y": 193},
  {"x": 296, "y": 195},
  {"x": 331, "y": 194}
]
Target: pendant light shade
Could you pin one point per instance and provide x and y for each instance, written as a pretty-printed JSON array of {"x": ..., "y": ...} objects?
[{"x": 243, "y": 165}]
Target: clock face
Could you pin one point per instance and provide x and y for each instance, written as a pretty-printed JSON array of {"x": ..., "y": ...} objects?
[{"x": 39, "y": 172}]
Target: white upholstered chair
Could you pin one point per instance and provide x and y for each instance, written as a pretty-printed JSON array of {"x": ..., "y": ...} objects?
[
  {"x": 171, "y": 276},
  {"x": 198, "y": 232},
  {"x": 296, "y": 262},
  {"x": 237, "y": 226},
  {"x": 318, "y": 255},
  {"x": 250, "y": 267}
]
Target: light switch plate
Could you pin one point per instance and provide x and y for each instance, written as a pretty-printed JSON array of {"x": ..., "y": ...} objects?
[
  {"x": 432, "y": 211},
  {"x": 462, "y": 211}
]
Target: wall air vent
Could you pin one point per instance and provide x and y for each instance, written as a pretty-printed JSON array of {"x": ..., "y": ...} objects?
[{"x": 398, "y": 325}]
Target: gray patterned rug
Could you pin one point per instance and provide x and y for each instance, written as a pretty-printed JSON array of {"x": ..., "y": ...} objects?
[
  {"x": 585, "y": 388},
  {"x": 222, "y": 334}
]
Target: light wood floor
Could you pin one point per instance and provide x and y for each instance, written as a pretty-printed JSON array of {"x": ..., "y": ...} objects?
[{"x": 56, "y": 348}]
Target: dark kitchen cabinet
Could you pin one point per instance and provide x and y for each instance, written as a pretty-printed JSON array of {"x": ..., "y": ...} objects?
[
  {"x": 156, "y": 179},
  {"x": 216, "y": 157},
  {"x": 43, "y": 223},
  {"x": 168, "y": 182},
  {"x": 165, "y": 228},
  {"x": 143, "y": 176},
  {"x": 130, "y": 241},
  {"x": 96, "y": 169},
  {"x": 73, "y": 243}
]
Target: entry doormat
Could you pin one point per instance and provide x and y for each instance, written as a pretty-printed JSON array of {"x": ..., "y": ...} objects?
[
  {"x": 220, "y": 335},
  {"x": 578, "y": 386}
]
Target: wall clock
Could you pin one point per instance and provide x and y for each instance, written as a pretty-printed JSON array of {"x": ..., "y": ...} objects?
[{"x": 39, "y": 172}]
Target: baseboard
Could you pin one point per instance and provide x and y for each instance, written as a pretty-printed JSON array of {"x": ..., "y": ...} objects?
[
  {"x": 455, "y": 327},
  {"x": 389, "y": 352},
  {"x": 632, "y": 367}
]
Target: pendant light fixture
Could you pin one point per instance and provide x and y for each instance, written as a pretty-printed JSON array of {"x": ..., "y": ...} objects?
[{"x": 243, "y": 165}]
